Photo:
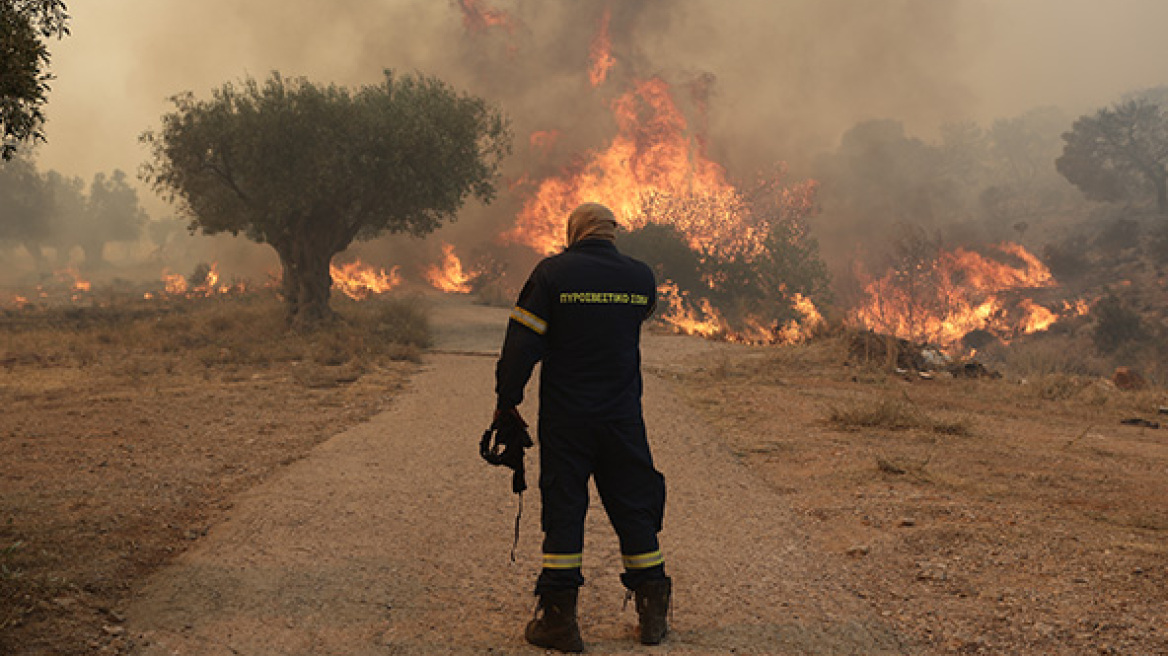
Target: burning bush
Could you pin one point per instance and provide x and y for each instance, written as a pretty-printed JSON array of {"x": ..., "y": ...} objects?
[
  {"x": 759, "y": 281},
  {"x": 933, "y": 295}
]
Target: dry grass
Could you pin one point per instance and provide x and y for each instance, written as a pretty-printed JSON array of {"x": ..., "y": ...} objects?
[
  {"x": 1054, "y": 500},
  {"x": 892, "y": 414},
  {"x": 215, "y": 332},
  {"x": 128, "y": 428}
]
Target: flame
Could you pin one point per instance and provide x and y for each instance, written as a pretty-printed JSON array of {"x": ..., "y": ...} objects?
[
  {"x": 178, "y": 285},
  {"x": 654, "y": 169},
  {"x": 798, "y": 330},
  {"x": 477, "y": 17},
  {"x": 450, "y": 276},
  {"x": 71, "y": 277},
  {"x": 359, "y": 282},
  {"x": 544, "y": 141},
  {"x": 963, "y": 291},
  {"x": 703, "y": 321},
  {"x": 600, "y": 51},
  {"x": 652, "y": 155}
]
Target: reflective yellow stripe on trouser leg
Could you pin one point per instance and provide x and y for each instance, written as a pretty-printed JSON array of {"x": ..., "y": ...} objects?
[
  {"x": 563, "y": 561},
  {"x": 644, "y": 560}
]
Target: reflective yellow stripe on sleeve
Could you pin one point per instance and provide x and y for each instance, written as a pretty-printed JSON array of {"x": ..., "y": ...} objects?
[
  {"x": 563, "y": 561},
  {"x": 530, "y": 320},
  {"x": 643, "y": 561}
]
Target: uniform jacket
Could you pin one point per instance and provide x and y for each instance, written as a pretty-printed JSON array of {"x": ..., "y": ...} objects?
[{"x": 580, "y": 312}]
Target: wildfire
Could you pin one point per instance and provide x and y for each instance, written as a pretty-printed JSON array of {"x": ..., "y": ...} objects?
[
  {"x": 449, "y": 276},
  {"x": 677, "y": 313},
  {"x": 477, "y": 17},
  {"x": 962, "y": 291},
  {"x": 205, "y": 282},
  {"x": 652, "y": 154},
  {"x": 600, "y": 51},
  {"x": 798, "y": 330},
  {"x": 544, "y": 141},
  {"x": 359, "y": 282},
  {"x": 71, "y": 277}
]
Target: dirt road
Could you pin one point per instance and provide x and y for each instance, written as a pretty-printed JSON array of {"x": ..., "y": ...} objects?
[{"x": 394, "y": 538}]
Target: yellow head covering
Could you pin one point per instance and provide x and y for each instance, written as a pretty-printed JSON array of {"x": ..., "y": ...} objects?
[{"x": 591, "y": 221}]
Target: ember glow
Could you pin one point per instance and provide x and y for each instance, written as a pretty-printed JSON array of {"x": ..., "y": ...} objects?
[
  {"x": 359, "y": 281},
  {"x": 960, "y": 292},
  {"x": 449, "y": 276},
  {"x": 71, "y": 277}
]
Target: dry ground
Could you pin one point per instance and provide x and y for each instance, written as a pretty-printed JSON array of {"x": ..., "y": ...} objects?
[
  {"x": 127, "y": 432},
  {"x": 978, "y": 516},
  {"x": 817, "y": 506}
]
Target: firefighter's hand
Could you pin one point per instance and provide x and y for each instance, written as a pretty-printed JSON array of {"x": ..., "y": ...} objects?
[
  {"x": 508, "y": 418},
  {"x": 504, "y": 442}
]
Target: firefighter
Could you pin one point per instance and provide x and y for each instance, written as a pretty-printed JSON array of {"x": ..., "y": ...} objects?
[{"x": 580, "y": 313}]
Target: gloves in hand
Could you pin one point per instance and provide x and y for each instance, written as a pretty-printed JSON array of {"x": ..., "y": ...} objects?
[{"x": 503, "y": 444}]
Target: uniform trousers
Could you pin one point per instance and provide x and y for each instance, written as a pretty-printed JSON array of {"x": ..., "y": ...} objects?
[{"x": 616, "y": 454}]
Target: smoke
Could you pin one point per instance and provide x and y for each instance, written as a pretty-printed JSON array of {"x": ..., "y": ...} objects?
[{"x": 771, "y": 80}]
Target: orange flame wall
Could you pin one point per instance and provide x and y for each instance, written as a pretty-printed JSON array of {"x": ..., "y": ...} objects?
[
  {"x": 960, "y": 292},
  {"x": 652, "y": 153}
]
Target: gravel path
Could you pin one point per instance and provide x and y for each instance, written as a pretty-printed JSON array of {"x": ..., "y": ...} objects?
[{"x": 394, "y": 538}]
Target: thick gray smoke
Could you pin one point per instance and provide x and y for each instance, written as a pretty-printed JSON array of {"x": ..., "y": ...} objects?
[{"x": 784, "y": 78}]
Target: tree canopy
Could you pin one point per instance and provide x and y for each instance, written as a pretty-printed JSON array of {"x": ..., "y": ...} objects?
[
  {"x": 24, "y": 62},
  {"x": 1119, "y": 153},
  {"x": 53, "y": 210},
  {"x": 308, "y": 168},
  {"x": 23, "y": 197}
]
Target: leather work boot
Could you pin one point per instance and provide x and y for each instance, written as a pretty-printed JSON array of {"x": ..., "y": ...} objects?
[
  {"x": 652, "y": 600},
  {"x": 554, "y": 626}
]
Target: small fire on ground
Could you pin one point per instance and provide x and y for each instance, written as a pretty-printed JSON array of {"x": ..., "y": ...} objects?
[
  {"x": 940, "y": 302},
  {"x": 449, "y": 276},
  {"x": 359, "y": 281}
]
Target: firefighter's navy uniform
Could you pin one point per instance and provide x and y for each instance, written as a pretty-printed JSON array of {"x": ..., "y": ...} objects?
[{"x": 581, "y": 312}]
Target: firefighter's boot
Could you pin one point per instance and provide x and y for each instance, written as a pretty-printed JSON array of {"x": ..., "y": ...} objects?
[
  {"x": 554, "y": 625},
  {"x": 652, "y": 600}
]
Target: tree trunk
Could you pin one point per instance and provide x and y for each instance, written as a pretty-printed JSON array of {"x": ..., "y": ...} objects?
[
  {"x": 1161, "y": 184},
  {"x": 94, "y": 255},
  {"x": 38, "y": 255},
  {"x": 307, "y": 284}
]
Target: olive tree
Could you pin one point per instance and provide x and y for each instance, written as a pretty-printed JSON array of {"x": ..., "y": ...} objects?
[
  {"x": 111, "y": 214},
  {"x": 1119, "y": 153},
  {"x": 309, "y": 168},
  {"x": 24, "y": 61},
  {"x": 24, "y": 207}
]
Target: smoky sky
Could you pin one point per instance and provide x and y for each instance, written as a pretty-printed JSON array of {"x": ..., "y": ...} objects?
[{"x": 785, "y": 77}]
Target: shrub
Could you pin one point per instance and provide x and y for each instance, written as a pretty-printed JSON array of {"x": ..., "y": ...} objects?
[{"x": 1116, "y": 324}]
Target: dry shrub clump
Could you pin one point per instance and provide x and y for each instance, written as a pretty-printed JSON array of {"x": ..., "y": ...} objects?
[{"x": 892, "y": 414}]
